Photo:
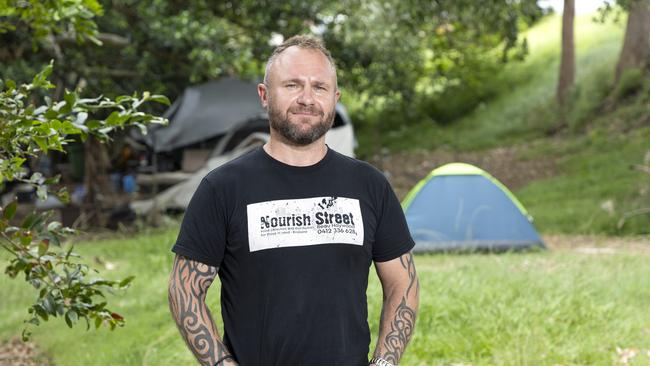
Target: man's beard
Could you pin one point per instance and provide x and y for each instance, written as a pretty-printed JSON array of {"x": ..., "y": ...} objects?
[{"x": 292, "y": 132}]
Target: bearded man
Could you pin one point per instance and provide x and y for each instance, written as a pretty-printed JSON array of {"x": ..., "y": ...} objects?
[{"x": 291, "y": 230}]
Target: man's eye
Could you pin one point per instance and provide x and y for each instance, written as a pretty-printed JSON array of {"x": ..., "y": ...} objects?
[
  {"x": 291, "y": 86},
  {"x": 320, "y": 88}
]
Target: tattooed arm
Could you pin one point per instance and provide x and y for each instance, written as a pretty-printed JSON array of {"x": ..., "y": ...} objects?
[
  {"x": 188, "y": 286},
  {"x": 401, "y": 288}
]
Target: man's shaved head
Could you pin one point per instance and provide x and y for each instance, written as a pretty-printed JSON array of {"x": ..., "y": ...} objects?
[{"x": 300, "y": 41}]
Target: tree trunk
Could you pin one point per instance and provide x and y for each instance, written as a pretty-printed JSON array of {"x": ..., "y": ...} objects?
[
  {"x": 568, "y": 60},
  {"x": 99, "y": 194},
  {"x": 636, "y": 44}
]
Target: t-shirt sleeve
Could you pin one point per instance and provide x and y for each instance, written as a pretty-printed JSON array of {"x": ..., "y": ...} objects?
[
  {"x": 392, "y": 238},
  {"x": 202, "y": 236}
]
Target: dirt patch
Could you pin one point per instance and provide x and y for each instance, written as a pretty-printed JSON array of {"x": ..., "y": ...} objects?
[
  {"x": 405, "y": 169},
  {"x": 18, "y": 353},
  {"x": 591, "y": 244}
]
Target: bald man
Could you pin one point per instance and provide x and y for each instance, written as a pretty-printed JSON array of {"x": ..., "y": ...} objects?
[{"x": 291, "y": 230}]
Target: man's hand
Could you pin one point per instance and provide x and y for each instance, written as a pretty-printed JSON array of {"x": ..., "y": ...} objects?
[
  {"x": 188, "y": 286},
  {"x": 401, "y": 288}
]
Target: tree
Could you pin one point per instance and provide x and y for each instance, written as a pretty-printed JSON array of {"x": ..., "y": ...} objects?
[
  {"x": 636, "y": 43},
  {"x": 568, "y": 62},
  {"x": 390, "y": 53},
  {"x": 30, "y": 127}
]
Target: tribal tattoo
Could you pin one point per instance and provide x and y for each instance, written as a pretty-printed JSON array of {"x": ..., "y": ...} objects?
[
  {"x": 188, "y": 286},
  {"x": 409, "y": 264},
  {"x": 403, "y": 322}
]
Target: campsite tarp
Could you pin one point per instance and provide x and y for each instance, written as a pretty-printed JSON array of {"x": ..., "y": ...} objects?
[
  {"x": 217, "y": 107},
  {"x": 205, "y": 111},
  {"x": 459, "y": 207}
]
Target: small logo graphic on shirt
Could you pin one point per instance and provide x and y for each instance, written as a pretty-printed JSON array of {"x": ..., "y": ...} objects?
[{"x": 303, "y": 222}]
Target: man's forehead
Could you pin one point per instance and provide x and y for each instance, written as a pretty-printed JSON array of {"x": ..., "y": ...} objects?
[{"x": 296, "y": 62}]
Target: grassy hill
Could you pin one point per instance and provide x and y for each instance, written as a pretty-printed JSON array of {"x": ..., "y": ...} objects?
[{"x": 593, "y": 185}]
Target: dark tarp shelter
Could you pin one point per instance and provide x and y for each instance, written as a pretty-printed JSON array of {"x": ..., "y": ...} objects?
[{"x": 215, "y": 108}]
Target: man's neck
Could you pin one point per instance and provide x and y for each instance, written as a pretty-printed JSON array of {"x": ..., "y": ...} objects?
[{"x": 296, "y": 155}]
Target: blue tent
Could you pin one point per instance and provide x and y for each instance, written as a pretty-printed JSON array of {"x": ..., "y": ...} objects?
[{"x": 459, "y": 207}]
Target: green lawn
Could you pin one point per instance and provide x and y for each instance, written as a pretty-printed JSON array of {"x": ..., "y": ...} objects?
[{"x": 546, "y": 308}]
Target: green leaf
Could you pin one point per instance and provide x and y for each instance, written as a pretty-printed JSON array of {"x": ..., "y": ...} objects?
[
  {"x": 81, "y": 118},
  {"x": 68, "y": 253},
  {"x": 70, "y": 98},
  {"x": 48, "y": 304},
  {"x": 26, "y": 334},
  {"x": 160, "y": 99},
  {"x": 41, "y": 142},
  {"x": 26, "y": 239},
  {"x": 40, "y": 110},
  {"x": 125, "y": 282},
  {"x": 43, "y": 246},
  {"x": 41, "y": 192},
  {"x": 36, "y": 178},
  {"x": 93, "y": 124},
  {"x": 29, "y": 221},
  {"x": 40, "y": 80},
  {"x": 71, "y": 317},
  {"x": 62, "y": 194},
  {"x": 10, "y": 210},
  {"x": 53, "y": 226},
  {"x": 122, "y": 98},
  {"x": 52, "y": 180},
  {"x": 40, "y": 311}
]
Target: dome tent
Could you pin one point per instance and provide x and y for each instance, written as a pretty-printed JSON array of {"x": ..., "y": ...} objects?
[{"x": 459, "y": 207}]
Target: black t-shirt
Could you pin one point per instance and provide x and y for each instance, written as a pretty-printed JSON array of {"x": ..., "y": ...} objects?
[{"x": 294, "y": 246}]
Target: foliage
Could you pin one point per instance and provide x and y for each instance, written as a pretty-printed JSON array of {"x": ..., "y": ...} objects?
[
  {"x": 613, "y": 9},
  {"x": 406, "y": 60},
  {"x": 630, "y": 82},
  {"x": 564, "y": 307},
  {"x": 29, "y": 128},
  {"x": 45, "y": 18},
  {"x": 401, "y": 57}
]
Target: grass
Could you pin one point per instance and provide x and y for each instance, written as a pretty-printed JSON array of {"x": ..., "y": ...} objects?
[
  {"x": 595, "y": 170},
  {"x": 542, "y": 308}
]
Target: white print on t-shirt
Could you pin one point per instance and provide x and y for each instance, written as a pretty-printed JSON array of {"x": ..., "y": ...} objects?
[{"x": 303, "y": 222}]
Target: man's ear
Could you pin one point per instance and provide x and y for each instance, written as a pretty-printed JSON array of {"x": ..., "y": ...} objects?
[
  {"x": 263, "y": 93},
  {"x": 338, "y": 94}
]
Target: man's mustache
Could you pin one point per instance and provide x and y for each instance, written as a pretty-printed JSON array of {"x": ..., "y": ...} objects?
[{"x": 307, "y": 110}]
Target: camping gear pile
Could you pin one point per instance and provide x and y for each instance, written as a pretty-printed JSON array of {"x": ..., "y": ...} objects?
[{"x": 209, "y": 125}]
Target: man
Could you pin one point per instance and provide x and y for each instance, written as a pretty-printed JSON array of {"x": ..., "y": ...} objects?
[{"x": 291, "y": 229}]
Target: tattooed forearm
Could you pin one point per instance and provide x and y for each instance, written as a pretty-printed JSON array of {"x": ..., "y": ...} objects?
[
  {"x": 188, "y": 286},
  {"x": 409, "y": 265},
  {"x": 400, "y": 333},
  {"x": 399, "y": 313}
]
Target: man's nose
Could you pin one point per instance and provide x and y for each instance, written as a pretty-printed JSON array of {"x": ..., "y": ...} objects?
[{"x": 306, "y": 96}]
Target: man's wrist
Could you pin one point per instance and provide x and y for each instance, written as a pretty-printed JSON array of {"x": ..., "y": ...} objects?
[
  {"x": 378, "y": 361},
  {"x": 221, "y": 362}
]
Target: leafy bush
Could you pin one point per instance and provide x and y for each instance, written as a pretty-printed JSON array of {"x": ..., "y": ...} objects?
[{"x": 28, "y": 130}]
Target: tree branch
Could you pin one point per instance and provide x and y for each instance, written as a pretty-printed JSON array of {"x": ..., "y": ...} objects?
[{"x": 108, "y": 39}]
